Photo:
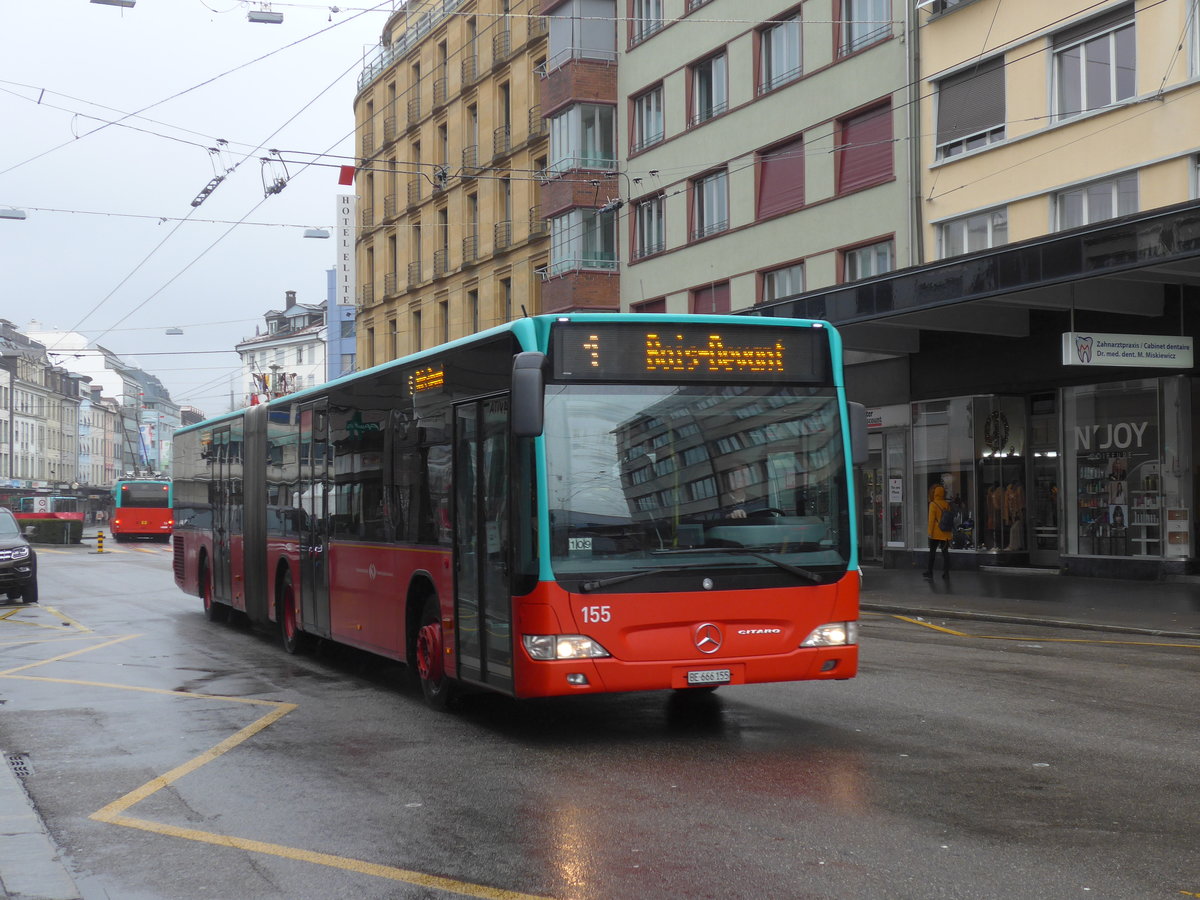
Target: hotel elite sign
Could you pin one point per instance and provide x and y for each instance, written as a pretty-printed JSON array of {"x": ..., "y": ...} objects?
[{"x": 1089, "y": 348}]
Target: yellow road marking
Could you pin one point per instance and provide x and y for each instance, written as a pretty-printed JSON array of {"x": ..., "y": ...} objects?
[
  {"x": 1040, "y": 639},
  {"x": 113, "y": 812}
]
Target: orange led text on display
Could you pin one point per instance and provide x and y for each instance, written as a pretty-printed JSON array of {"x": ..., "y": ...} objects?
[
  {"x": 426, "y": 379},
  {"x": 714, "y": 356}
]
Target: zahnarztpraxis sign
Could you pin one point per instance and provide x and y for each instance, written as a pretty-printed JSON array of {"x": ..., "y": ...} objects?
[{"x": 1136, "y": 350}]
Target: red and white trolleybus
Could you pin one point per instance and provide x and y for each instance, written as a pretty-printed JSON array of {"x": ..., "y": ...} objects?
[{"x": 560, "y": 505}]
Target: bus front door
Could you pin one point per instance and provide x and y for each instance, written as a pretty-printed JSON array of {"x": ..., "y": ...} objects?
[
  {"x": 314, "y": 527},
  {"x": 482, "y": 484},
  {"x": 222, "y": 510}
]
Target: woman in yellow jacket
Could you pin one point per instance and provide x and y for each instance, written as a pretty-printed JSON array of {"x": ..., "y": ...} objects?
[{"x": 938, "y": 504}]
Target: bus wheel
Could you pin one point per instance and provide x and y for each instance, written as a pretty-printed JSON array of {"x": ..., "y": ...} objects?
[
  {"x": 431, "y": 667},
  {"x": 294, "y": 640},
  {"x": 213, "y": 611}
]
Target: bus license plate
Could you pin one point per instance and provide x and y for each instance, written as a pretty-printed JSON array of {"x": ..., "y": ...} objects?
[{"x": 709, "y": 676}]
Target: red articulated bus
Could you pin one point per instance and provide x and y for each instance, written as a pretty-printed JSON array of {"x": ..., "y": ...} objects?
[
  {"x": 45, "y": 506},
  {"x": 142, "y": 510},
  {"x": 560, "y": 505}
]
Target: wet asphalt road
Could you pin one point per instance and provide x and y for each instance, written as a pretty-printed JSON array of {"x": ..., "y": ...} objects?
[{"x": 172, "y": 758}]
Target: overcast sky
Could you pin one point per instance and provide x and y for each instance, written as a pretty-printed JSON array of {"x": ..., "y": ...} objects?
[{"x": 105, "y": 249}]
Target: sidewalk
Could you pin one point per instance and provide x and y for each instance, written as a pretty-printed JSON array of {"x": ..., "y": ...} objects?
[
  {"x": 30, "y": 866},
  {"x": 1023, "y": 596}
]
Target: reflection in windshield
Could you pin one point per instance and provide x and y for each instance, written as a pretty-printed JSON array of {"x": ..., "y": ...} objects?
[{"x": 639, "y": 473}]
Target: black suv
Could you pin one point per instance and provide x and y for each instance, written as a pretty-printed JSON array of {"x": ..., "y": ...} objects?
[{"x": 18, "y": 561}]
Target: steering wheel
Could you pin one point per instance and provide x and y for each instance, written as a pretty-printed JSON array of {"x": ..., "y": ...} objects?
[{"x": 768, "y": 511}]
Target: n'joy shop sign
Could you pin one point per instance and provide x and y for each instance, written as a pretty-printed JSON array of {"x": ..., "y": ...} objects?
[{"x": 1135, "y": 350}]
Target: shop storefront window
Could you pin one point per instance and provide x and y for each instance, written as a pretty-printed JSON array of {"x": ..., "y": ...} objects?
[
  {"x": 1002, "y": 524},
  {"x": 943, "y": 453},
  {"x": 1127, "y": 450}
]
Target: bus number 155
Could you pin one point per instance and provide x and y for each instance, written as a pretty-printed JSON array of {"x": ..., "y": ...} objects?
[{"x": 597, "y": 614}]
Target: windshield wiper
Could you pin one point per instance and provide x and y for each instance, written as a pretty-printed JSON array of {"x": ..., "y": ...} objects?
[
  {"x": 629, "y": 576},
  {"x": 807, "y": 574}
]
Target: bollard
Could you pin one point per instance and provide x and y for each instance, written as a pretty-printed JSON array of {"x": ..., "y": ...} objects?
[{"x": 99, "y": 541}]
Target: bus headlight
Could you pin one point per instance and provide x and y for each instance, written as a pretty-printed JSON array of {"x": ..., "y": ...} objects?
[
  {"x": 562, "y": 646},
  {"x": 834, "y": 634}
]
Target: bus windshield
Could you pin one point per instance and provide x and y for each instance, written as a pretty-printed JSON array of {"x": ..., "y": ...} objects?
[
  {"x": 665, "y": 475},
  {"x": 144, "y": 495}
]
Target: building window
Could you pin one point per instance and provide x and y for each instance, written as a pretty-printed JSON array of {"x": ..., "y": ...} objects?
[
  {"x": 1097, "y": 201},
  {"x": 1095, "y": 64},
  {"x": 646, "y": 18},
  {"x": 711, "y": 300},
  {"x": 649, "y": 235},
  {"x": 970, "y": 108},
  {"x": 864, "y": 153},
  {"x": 583, "y": 137},
  {"x": 417, "y": 338},
  {"x": 970, "y": 234},
  {"x": 583, "y": 239},
  {"x": 780, "y": 179},
  {"x": 710, "y": 204},
  {"x": 658, "y": 305},
  {"x": 473, "y": 309},
  {"x": 647, "y": 119},
  {"x": 866, "y": 22},
  {"x": 780, "y": 54},
  {"x": 506, "y": 299},
  {"x": 783, "y": 282},
  {"x": 710, "y": 95},
  {"x": 299, "y": 356},
  {"x": 867, "y": 262}
]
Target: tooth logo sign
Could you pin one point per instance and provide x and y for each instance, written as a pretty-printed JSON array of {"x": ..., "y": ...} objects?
[{"x": 1083, "y": 346}]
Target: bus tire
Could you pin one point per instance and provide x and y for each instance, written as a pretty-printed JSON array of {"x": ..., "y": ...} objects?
[
  {"x": 213, "y": 611},
  {"x": 294, "y": 639},
  {"x": 436, "y": 686}
]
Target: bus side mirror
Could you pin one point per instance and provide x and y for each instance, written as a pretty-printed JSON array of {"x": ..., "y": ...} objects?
[
  {"x": 528, "y": 393},
  {"x": 858, "y": 433}
]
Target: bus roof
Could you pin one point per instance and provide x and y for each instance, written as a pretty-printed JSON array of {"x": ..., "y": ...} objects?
[{"x": 531, "y": 333}]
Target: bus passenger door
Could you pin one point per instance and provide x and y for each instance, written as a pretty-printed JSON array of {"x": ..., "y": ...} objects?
[
  {"x": 221, "y": 518},
  {"x": 482, "y": 484},
  {"x": 314, "y": 525}
]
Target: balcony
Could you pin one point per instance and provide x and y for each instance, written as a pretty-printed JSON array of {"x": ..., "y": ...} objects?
[
  {"x": 367, "y": 217},
  {"x": 414, "y": 111},
  {"x": 502, "y": 235},
  {"x": 390, "y": 281},
  {"x": 368, "y": 143},
  {"x": 501, "y": 47},
  {"x": 391, "y": 207},
  {"x": 502, "y": 140},
  {"x": 470, "y": 249},
  {"x": 537, "y": 225},
  {"x": 366, "y": 295},
  {"x": 470, "y": 70},
  {"x": 537, "y": 125},
  {"x": 539, "y": 26},
  {"x": 414, "y": 191},
  {"x": 580, "y": 290},
  {"x": 389, "y": 129},
  {"x": 414, "y": 274},
  {"x": 470, "y": 161},
  {"x": 441, "y": 262},
  {"x": 441, "y": 88}
]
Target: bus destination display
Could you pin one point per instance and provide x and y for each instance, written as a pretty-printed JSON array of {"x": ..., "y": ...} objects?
[{"x": 653, "y": 352}]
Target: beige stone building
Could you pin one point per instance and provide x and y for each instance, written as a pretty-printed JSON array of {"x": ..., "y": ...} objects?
[{"x": 451, "y": 141}]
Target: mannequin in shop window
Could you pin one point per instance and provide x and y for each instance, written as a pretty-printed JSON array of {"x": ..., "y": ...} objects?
[
  {"x": 1014, "y": 515},
  {"x": 995, "y": 512}
]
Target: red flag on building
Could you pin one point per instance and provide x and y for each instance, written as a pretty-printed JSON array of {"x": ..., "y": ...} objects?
[{"x": 347, "y": 175}]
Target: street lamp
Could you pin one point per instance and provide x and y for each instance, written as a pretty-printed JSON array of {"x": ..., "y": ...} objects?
[{"x": 8, "y": 212}]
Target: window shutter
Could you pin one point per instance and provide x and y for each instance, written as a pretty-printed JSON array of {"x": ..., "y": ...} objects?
[
  {"x": 866, "y": 149},
  {"x": 711, "y": 299},
  {"x": 1092, "y": 27},
  {"x": 781, "y": 179},
  {"x": 971, "y": 101}
]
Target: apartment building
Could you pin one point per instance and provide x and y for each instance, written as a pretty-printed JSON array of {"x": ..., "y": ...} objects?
[
  {"x": 287, "y": 353},
  {"x": 1039, "y": 361},
  {"x": 452, "y": 141},
  {"x": 765, "y": 149}
]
